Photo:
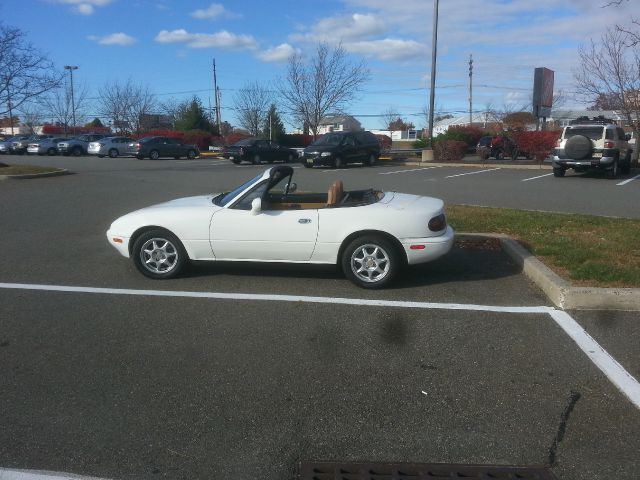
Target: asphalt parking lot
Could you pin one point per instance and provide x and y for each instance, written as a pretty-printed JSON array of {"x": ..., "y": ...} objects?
[{"x": 243, "y": 371}]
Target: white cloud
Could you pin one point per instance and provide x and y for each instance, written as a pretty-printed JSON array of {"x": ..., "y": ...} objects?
[
  {"x": 388, "y": 49},
  {"x": 281, "y": 53},
  {"x": 120, "y": 39},
  {"x": 214, "y": 10},
  {"x": 221, "y": 39},
  {"x": 84, "y": 7},
  {"x": 343, "y": 28}
]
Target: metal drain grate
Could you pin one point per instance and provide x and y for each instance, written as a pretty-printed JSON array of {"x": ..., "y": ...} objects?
[{"x": 418, "y": 471}]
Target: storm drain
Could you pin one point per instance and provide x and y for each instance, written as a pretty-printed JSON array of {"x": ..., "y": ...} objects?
[{"x": 418, "y": 471}]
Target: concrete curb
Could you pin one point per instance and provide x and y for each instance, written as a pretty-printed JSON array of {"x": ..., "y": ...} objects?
[
  {"x": 559, "y": 290},
  {"x": 25, "y": 176}
]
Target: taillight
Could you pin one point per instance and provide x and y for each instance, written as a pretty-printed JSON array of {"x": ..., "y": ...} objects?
[
  {"x": 437, "y": 224},
  {"x": 138, "y": 146},
  {"x": 609, "y": 145}
]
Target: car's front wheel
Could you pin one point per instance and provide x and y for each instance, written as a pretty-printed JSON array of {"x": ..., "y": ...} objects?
[
  {"x": 337, "y": 162},
  {"x": 76, "y": 152},
  {"x": 371, "y": 160},
  {"x": 558, "y": 171},
  {"x": 52, "y": 151},
  {"x": 256, "y": 160},
  {"x": 370, "y": 261},
  {"x": 154, "y": 154},
  {"x": 158, "y": 254},
  {"x": 113, "y": 153},
  {"x": 191, "y": 154}
]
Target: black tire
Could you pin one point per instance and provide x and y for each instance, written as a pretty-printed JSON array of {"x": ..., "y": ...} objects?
[
  {"x": 308, "y": 165},
  {"x": 626, "y": 168},
  {"x": 154, "y": 154},
  {"x": 499, "y": 155},
  {"x": 578, "y": 147},
  {"x": 191, "y": 154},
  {"x": 113, "y": 153},
  {"x": 289, "y": 158},
  {"x": 337, "y": 162},
  {"x": 77, "y": 151},
  {"x": 52, "y": 151},
  {"x": 371, "y": 161},
  {"x": 558, "y": 171},
  {"x": 139, "y": 157},
  {"x": 158, "y": 254},
  {"x": 256, "y": 159},
  {"x": 100, "y": 156},
  {"x": 613, "y": 172},
  {"x": 383, "y": 257},
  {"x": 177, "y": 157},
  {"x": 236, "y": 161}
]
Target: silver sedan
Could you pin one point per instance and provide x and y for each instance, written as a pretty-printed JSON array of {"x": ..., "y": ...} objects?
[{"x": 112, "y": 146}]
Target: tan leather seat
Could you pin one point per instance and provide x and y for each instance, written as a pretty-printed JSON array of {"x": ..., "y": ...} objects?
[{"x": 335, "y": 193}]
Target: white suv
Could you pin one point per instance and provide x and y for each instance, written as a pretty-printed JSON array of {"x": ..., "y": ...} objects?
[{"x": 592, "y": 143}]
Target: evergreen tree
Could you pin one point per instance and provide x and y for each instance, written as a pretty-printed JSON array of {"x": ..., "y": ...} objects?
[
  {"x": 95, "y": 123},
  {"x": 272, "y": 125},
  {"x": 190, "y": 115}
]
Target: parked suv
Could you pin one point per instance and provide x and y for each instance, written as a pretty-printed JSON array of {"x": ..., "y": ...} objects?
[
  {"x": 156, "y": 147},
  {"x": 255, "y": 150},
  {"x": 592, "y": 143},
  {"x": 78, "y": 146},
  {"x": 340, "y": 148}
]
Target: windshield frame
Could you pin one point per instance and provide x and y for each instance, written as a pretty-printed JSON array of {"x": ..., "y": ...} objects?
[{"x": 225, "y": 198}]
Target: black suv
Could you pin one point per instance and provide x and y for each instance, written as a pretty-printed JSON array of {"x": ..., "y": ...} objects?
[
  {"x": 592, "y": 143},
  {"x": 337, "y": 149},
  {"x": 255, "y": 150},
  {"x": 156, "y": 147}
]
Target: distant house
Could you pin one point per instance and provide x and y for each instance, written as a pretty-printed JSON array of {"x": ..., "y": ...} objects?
[
  {"x": 338, "y": 123},
  {"x": 481, "y": 119}
]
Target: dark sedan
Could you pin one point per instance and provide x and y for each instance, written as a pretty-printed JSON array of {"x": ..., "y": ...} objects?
[
  {"x": 156, "y": 147},
  {"x": 257, "y": 150}
]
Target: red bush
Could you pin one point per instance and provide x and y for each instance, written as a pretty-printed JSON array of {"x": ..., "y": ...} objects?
[
  {"x": 537, "y": 144},
  {"x": 449, "y": 150}
]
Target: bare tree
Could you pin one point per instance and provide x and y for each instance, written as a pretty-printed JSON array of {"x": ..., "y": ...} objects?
[
  {"x": 125, "y": 103},
  {"x": 611, "y": 67},
  {"x": 170, "y": 108},
  {"x": 31, "y": 114},
  {"x": 57, "y": 105},
  {"x": 252, "y": 104},
  {"x": 25, "y": 72},
  {"x": 326, "y": 84}
]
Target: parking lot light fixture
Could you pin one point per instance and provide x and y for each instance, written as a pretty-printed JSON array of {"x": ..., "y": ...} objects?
[{"x": 71, "y": 68}]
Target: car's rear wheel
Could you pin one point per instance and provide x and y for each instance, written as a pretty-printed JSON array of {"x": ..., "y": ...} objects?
[
  {"x": 626, "y": 168},
  {"x": 191, "y": 154},
  {"x": 154, "y": 154},
  {"x": 371, "y": 160},
  {"x": 113, "y": 153},
  {"x": 370, "y": 261},
  {"x": 308, "y": 165},
  {"x": 613, "y": 171},
  {"x": 256, "y": 160},
  {"x": 52, "y": 151},
  {"x": 337, "y": 162},
  {"x": 236, "y": 161},
  {"x": 76, "y": 152},
  {"x": 289, "y": 158},
  {"x": 158, "y": 254},
  {"x": 100, "y": 156},
  {"x": 558, "y": 172}
]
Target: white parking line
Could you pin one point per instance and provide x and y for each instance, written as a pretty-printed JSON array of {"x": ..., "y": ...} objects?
[
  {"x": 473, "y": 173},
  {"x": 628, "y": 181},
  {"x": 622, "y": 379},
  {"x": 406, "y": 171},
  {"x": 539, "y": 176},
  {"x": 335, "y": 170},
  {"x": 10, "y": 474}
]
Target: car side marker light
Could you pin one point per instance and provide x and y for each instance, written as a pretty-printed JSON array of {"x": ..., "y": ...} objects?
[
  {"x": 417, "y": 247},
  {"x": 117, "y": 240}
]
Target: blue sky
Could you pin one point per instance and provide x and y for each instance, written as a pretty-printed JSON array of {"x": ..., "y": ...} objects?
[{"x": 169, "y": 45}]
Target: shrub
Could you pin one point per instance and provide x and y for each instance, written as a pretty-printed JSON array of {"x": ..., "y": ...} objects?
[
  {"x": 449, "y": 150},
  {"x": 537, "y": 144},
  {"x": 420, "y": 143}
]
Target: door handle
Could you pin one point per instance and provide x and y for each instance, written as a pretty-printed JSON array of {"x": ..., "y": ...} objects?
[{"x": 304, "y": 220}]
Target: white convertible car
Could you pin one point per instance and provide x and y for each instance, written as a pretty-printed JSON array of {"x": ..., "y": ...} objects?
[{"x": 370, "y": 233}]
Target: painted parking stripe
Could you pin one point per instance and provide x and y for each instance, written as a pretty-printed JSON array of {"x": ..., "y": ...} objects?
[
  {"x": 10, "y": 474},
  {"x": 628, "y": 181},
  {"x": 473, "y": 173},
  {"x": 406, "y": 171},
  {"x": 608, "y": 365},
  {"x": 539, "y": 176}
]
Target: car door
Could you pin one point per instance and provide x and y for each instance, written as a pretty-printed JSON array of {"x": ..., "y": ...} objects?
[
  {"x": 349, "y": 149},
  {"x": 271, "y": 235}
]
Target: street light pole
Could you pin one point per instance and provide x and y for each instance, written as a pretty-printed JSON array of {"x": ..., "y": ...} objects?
[
  {"x": 71, "y": 68},
  {"x": 434, "y": 52}
]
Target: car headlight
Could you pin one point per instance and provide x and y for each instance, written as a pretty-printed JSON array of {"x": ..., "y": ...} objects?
[{"x": 325, "y": 154}]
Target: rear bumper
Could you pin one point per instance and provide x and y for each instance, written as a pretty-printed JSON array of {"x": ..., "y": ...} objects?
[
  {"x": 604, "y": 162},
  {"x": 434, "y": 247}
]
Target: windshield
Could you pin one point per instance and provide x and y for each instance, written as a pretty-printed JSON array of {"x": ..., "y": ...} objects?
[
  {"x": 594, "y": 133},
  {"x": 328, "y": 139},
  {"x": 225, "y": 198}
]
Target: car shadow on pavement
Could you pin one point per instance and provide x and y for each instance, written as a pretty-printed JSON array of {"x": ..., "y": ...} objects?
[{"x": 467, "y": 261}]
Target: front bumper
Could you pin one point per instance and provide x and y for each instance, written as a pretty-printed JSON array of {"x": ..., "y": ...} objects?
[
  {"x": 119, "y": 242},
  {"x": 434, "y": 247},
  {"x": 317, "y": 160}
]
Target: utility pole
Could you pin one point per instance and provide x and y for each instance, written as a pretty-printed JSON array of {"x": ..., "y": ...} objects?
[
  {"x": 71, "y": 68},
  {"x": 216, "y": 92},
  {"x": 470, "y": 89},
  {"x": 434, "y": 53}
]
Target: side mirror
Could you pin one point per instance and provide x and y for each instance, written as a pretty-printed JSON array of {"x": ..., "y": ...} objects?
[
  {"x": 292, "y": 187},
  {"x": 256, "y": 206}
]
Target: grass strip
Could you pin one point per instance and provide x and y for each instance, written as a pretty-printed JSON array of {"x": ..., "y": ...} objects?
[
  {"x": 587, "y": 250},
  {"x": 24, "y": 169}
]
